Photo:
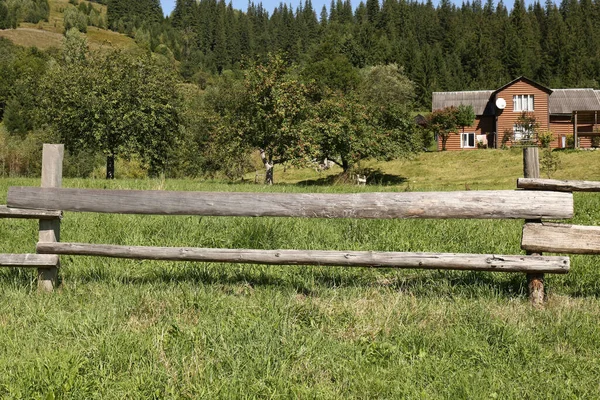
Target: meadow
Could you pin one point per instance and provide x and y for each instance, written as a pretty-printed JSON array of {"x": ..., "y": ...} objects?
[{"x": 145, "y": 329}]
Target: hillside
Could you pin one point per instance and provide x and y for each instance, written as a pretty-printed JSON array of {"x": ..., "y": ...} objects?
[{"x": 44, "y": 35}]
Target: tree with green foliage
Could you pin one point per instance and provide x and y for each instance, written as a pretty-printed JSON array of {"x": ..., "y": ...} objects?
[
  {"x": 527, "y": 126},
  {"x": 271, "y": 116},
  {"x": 127, "y": 15},
  {"x": 443, "y": 123},
  {"x": 465, "y": 116},
  {"x": 114, "y": 103},
  {"x": 350, "y": 130},
  {"x": 74, "y": 18},
  {"x": 21, "y": 73},
  {"x": 446, "y": 121},
  {"x": 210, "y": 142},
  {"x": 387, "y": 86}
]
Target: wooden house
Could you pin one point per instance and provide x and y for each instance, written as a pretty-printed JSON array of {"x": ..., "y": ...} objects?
[{"x": 564, "y": 112}]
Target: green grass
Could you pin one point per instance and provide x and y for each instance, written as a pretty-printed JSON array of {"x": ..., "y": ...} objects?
[
  {"x": 450, "y": 170},
  {"x": 145, "y": 329}
]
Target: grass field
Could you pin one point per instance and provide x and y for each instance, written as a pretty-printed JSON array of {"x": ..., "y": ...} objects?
[{"x": 144, "y": 329}]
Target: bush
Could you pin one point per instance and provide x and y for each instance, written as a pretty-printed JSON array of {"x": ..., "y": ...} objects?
[
  {"x": 549, "y": 162},
  {"x": 74, "y": 18},
  {"x": 508, "y": 135},
  {"x": 22, "y": 156},
  {"x": 545, "y": 138}
]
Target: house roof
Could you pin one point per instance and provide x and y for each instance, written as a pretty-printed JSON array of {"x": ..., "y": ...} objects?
[
  {"x": 562, "y": 101},
  {"x": 525, "y": 79},
  {"x": 479, "y": 99},
  {"x": 565, "y": 101}
]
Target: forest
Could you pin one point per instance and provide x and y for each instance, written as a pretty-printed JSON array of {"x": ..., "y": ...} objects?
[
  {"x": 442, "y": 48},
  {"x": 211, "y": 90}
]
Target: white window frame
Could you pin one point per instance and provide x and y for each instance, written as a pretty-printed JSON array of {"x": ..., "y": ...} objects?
[
  {"x": 523, "y": 102},
  {"x": 520, "y": 133},
  {"x": 464, "y": 145}
]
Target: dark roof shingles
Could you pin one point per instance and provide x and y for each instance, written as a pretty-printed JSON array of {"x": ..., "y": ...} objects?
[
  {"x": 565, "y": 101},
  {"x": 479, "y": 99}
]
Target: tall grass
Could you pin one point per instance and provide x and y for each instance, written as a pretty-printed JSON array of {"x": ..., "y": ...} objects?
[{"x": 145, "y": 329}]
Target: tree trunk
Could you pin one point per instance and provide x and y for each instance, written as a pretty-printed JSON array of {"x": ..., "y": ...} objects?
[
  {"x": 110, "y": 166},
  {"x": 268, "y": 168},
  {"x": 345, "y": 165},
  {"x": 444, "y": 139},
  {"x": 268, "y": 174}
]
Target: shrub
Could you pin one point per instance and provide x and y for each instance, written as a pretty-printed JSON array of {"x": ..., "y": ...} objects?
[
  {"x": 545, "y": 138},
  {"x": 75, "y": 19},
  {"x": 596, "y": 140}
]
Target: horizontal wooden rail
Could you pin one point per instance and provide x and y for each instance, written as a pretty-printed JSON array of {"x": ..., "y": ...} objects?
[
  {"x": 6, "y": 212},
  {"x": 558, "y": 185},
  {"x": 466, "y": 204},
  {"x": 561, "y": 238},
  {"x": 476, "y": 262},
  {"x": 28, "y": 260}
]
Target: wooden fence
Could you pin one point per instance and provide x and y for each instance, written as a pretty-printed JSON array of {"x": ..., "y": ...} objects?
[
  {"x": 49, "y": 222},
  {"x": 534, "y": 206}
]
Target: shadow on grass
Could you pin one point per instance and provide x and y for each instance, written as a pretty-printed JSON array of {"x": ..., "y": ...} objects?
[
  {"x": 374, "y": 177},
  {"x": 310, "y": 281},
  {"x": 307, "y": 280}
]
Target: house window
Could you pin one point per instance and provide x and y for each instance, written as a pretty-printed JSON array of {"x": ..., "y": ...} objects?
[
  {"x": 467, "y": 140},
  {"x": 523, "y": 102},
  {"x": 521, "y": 134}
]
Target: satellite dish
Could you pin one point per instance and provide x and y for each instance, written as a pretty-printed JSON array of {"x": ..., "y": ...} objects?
[{"x": 500, "y": 103}]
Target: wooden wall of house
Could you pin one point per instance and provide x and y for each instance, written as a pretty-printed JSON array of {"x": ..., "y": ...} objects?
[
  {"x": 562, "y": 125},
  {"x": 585, "y": 126},
  {"x": 508, "y": 117},
  {"x": 482, "y": 126}
]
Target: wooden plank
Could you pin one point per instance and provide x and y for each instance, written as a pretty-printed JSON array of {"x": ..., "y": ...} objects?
[
  {"x": 476, "y": 262},
  {"x": 558, "y": 185},
  {"x": 561, "y": 238},
  {"x": 531, "y": 163},
  {"x": 535, "y": 281},
  {"x": 6, "y": 212},
  {"x": 28, "y": 260},
  {"x": 49, "y": 230},
  {"x": 465, "y": 204}
]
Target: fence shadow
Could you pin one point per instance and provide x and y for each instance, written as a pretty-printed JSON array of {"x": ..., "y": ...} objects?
[{"x": 420, "y": 283}]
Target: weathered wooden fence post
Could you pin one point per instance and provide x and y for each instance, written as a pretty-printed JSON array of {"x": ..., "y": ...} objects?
[
  {"x": 535, "y": 282},
  {"x": 52, "y": 161}
]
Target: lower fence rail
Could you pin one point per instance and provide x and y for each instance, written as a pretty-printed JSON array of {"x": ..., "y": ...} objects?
[{"x": 444, "y": 261}]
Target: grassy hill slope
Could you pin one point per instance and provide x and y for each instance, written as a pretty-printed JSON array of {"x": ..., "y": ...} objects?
[
  {"x": 49, "y": 34},
  {"x": 452, "y": 170}
]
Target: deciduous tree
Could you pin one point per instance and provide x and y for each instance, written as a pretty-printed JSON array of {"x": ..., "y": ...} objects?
[
  {"x": 114, "y": 103},
  {"x": 271, "y": 116}
]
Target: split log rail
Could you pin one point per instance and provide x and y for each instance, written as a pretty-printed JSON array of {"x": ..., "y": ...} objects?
[{"x": 533, "y": 206}]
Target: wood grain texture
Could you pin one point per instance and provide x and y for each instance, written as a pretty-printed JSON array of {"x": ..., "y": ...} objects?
[
  {"x": 531, "y": 162},
  {"x": 561, "y": 238},
  {"x": 476, "y": 262},
  {"x": 6, "y": 212},
  {"x": 558, "y": 185},
  {"x": 28, "y": 260},
  {"x": 499, "y": 204},
  {"x": 49, "y": 230}
]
